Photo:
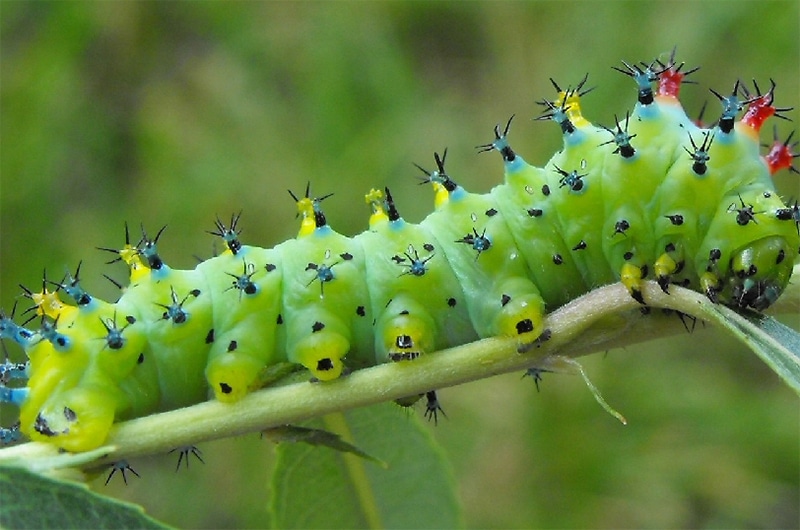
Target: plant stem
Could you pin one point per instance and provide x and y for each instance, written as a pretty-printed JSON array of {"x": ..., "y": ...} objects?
[{"x": 581, "y": 327}]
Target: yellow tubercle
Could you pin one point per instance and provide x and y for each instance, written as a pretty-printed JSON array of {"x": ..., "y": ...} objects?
[
  {"x": 441, "y": 195},
  {"x": 305, "y": 209},
  {"x": 49, "y": 304},
  {"x": 375, "y": 199},
  {"x": 573, "y": 107},
  {"x": 132, "y": 258}
]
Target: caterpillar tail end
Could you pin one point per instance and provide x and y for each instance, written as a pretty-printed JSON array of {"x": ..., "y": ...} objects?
[
  {"x": 78, "y": 421},
  {"x": 322, "y": 354}
]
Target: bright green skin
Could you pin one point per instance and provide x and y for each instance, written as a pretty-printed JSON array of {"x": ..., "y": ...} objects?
[
  {"x": 548, "y": 244},
  {"x": 245, "y": 332},
  {"x": 430, "y": 308}
]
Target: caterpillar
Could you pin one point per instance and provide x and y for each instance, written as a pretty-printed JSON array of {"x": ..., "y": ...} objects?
[{"x": 655, "y": 196}]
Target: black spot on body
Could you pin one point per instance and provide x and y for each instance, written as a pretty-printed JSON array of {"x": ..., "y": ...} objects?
[
  {"x": 225, "y": 388},
  {"x": 545, "y": 190},
  {"x": 41, "y": 426},
  {"x": 323, "y": 365},
  {"x": 360, "y": 311},
  {"x": 451, "y": 302},
  {"x": 70, "y": 415},
  {"x": 491, "y": 212},
  {"x": 346, "y": 256},
  {"x": 557, "y": 259},
  {"x": 232, "y": 345},
  {"x": 535, "y": 212},
  {"x": 676, "y": 219},
  {"x": 210, "y": 336},
  {"x": 317, "y": 326},
  {"x": 627, "y": 256},
  {"x": 270, "y": 267},
  {"x": 580, "y": 246},
  {"x": 524, "y": 326},
  {"x": 280, "y": 319},
  {"x": 140, "y": 360},
  {"x": 504, "y": 300}
]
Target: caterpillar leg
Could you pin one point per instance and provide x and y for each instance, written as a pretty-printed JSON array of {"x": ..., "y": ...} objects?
[
  {"x": 322, "y": 354},
  {"x": 318, "y": 340},
  {"x": 432, "y": 406},
  {"x": 760, "y": 272},
  {"x": 632, "y": 277},
  {"x": 668, "y": 264},
  {"x": 404, "y": 331},
  {"x": 231, "y": 376},
  {"x": 522, "y": 311}
]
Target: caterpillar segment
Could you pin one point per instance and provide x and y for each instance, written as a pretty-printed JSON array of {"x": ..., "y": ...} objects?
[
  {"x": 419, "y": 306},
  {"x": 243, "y": 336},
  {"x": 531, "y": 216},
  {"x": 652, "y": 196},
  {"x": 501, "y": 298}
]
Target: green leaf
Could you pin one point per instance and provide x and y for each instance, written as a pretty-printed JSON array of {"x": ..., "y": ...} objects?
[
  {"x": 314, "y": 487},
  {"x": 33, "y": 501},
  {"x": 316, "y": 437},
  {"x": 776, "y": 344}
]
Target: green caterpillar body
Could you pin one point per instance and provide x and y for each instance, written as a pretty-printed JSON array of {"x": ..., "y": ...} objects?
[{"x": 613, "y": 205}]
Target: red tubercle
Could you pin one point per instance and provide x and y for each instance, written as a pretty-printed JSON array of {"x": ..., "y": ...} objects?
[
  {"x": 669, "y": 82},
  {"x": 780, "y": 155},
  {"x": 671, "y": 77},
  {"x": 759, "y": 109}
]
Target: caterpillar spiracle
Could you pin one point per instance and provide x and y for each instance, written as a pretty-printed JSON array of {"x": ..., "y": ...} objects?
[{"x": 656, "y": 196}]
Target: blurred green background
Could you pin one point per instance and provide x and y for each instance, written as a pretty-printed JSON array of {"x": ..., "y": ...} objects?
[{"x": 174, "y": 112}]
